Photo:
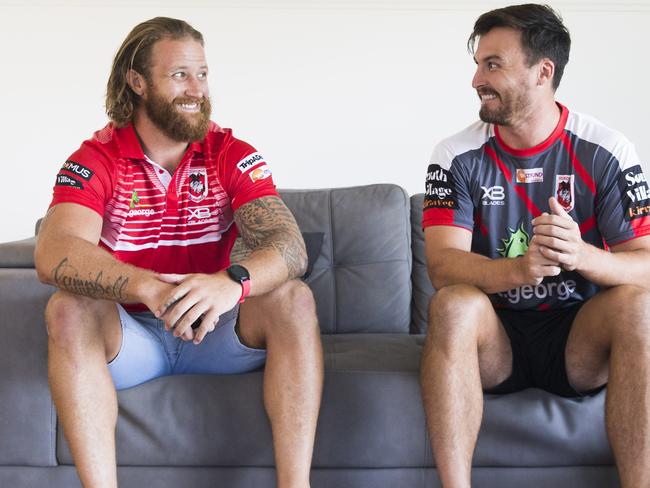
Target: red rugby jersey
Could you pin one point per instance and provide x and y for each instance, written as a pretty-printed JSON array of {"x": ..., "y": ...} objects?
[{"x": 168, "y": 223}]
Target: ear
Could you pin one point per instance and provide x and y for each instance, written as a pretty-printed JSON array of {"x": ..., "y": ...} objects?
[
  {"x": 545, "y": 72},
  {"x": 136, "y": 81}
]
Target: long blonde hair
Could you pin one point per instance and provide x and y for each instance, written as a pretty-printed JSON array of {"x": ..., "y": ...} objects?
[{"x": 135, "y": 53}]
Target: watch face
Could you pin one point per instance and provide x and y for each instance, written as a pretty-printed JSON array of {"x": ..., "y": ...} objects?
[{"x": 238, "y": 273}]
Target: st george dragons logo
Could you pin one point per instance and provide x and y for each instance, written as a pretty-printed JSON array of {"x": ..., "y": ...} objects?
[
  {"x": 564, "y": 191},
  {"x": 198, "y": 184}
]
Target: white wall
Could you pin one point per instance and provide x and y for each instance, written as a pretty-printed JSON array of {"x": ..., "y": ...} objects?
[{"x": 332, "y": 93}]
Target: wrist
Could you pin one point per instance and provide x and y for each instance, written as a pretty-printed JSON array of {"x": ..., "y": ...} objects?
[{"x": 240, "y": 275}]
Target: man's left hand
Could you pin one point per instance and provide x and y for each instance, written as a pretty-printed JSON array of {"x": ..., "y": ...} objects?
[
  {"x": 560, "y": 237},
  {"x": 201, "y": 297}
]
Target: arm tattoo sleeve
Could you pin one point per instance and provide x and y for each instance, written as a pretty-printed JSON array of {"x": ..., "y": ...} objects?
[
  {"x": 266, "y": 223},
  {"x": 239, "y": 251}
]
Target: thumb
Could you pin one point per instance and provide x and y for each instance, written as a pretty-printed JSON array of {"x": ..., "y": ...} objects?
[
  {"x": 174, "y": 279},
  {"x": 556, "y": 208}
]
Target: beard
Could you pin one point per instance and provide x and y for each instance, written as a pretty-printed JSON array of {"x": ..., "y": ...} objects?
[
  {"x": 512, "y": 106},
  {"x": 176, "y": 125}
]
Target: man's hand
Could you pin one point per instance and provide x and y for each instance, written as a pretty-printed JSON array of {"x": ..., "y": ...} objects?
[
  {"x": 559, "y": 237},
  {"x": 197, "y": 296},
  {"x": 535, "y": 266}
]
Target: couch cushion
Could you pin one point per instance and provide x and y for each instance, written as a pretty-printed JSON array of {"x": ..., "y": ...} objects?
[
  {"x": 422, "y": 288},
  {"x": 361, "y": 280},
  {"x": 371, "y": 416},
  {"x": 17, "y": 254}
]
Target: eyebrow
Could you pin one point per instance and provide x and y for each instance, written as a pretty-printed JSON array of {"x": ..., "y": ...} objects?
[
  {"x": 174, "y": 68},
  {"x": 491, "y": 57}
]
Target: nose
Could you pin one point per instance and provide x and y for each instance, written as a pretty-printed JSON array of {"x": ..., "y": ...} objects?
[
  {"x": 477, "y": 79},
  {"x": 195, "y": 88}
]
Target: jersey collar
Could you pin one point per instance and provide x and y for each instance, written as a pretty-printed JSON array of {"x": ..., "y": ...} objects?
[
  {"x": 541, "y": 147},
  {"x": 130, "y": 146}
]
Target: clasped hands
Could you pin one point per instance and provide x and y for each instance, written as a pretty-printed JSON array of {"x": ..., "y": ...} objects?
[
  {"x": 556, "y": 245},
  {"x": 181, "y": 300}
]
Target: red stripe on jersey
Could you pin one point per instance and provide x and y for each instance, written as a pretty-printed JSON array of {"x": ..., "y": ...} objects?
[
  {"x": 504, "y": 169},
  {"x": 520, "y": 190},
  {"x": 577, "y": 165},
  {"x": 543, "y": 307},
  {"x": 437, "y": 216},
  {"x": 588, "y": 224},
  {"x": 479, "y": 221},
  {"x": 641, "y": 226}
]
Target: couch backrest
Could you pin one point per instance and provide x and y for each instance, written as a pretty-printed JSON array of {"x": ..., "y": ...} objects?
[{"x": 362, "y": 277}]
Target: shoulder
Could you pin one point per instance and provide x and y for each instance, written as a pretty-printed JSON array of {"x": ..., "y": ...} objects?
[
  {"x": 466, "y": 141},
  {"x": 592, "y": 130}
]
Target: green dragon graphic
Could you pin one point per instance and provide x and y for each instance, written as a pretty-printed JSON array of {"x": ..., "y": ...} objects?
[
  {"x": 517, "y": 244},
  {"x": 134, "y": 199}
]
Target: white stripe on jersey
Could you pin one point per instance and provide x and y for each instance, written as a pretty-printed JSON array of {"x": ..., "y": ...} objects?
[
  {"x": 470, "y": 138},
  {"x": 592, "y": 130}
]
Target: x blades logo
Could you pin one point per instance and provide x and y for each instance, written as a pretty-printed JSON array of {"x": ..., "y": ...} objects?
[{"x": 495, "y": 195}]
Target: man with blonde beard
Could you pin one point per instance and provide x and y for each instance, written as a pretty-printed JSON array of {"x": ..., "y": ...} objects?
[{"x": 138, "y": 240}]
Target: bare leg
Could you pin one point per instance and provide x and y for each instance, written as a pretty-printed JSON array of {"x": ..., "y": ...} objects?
[
  {"x": 84, "y": 334},
  {"x": 284, "y": 321},
  {"x": 611, "y": 334},
  {"x": 466, "y": 350}
]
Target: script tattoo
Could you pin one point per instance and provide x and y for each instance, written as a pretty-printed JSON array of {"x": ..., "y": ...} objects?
[
  {"x": 67, "y": 278},
  {"x": 267, "y": 223}
]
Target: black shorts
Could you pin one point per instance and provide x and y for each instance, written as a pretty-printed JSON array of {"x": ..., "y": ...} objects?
[{"x": 538, "y": 341}]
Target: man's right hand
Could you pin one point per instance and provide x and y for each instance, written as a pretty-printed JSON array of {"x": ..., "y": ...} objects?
[
  {"x": 534, "y": 267},
  {"x": 155, "y": 294}
]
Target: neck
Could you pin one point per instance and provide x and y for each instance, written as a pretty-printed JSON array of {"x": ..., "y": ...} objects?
[
  {"x": 157, "y": 145},
  {"x": 534, "y": 127}
]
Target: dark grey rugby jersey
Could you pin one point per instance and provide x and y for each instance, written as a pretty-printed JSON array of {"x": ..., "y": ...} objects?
[{"x": 475, "y": 181}]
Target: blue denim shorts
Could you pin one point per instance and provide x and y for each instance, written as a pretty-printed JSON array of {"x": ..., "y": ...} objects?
[{"x": 149, "y": 351}]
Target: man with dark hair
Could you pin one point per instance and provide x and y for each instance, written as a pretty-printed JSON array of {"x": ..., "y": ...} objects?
[
  {"x": 537, "y": 226},
  {"x": 138, "y": 241}
]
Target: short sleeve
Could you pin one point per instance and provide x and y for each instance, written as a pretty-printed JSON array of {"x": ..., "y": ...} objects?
[
  {"x": 623, "y": 196},
  {"x": 84, "y": 179},
  {"x": 247, "y": 175},
  {"x": 447, "y": 199}
]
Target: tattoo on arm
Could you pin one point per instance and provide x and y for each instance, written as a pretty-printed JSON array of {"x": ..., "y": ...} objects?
[
  {"x": 239, "y": 251},
  {"x": 66, "y": 277},
  {"x": 266, "y": 223}
]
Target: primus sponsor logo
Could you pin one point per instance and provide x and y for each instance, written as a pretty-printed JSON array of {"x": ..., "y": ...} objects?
[
  {"x": 562, "y": 290},
  {"x": 533, "y": 175},
  {"x": 146, "y": 212},
  {"x": 249, "y": 161},
  {"x": 495, "y": 195},
  {"x": 77, "y": 169}
]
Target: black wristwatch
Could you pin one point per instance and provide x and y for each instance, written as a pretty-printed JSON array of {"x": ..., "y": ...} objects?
[{"x": 241, "y": 275}]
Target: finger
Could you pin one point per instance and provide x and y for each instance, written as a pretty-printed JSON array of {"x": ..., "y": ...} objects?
[
  {"x": 171, "y": 278},
  {"x": 171, "y": 300},
  {"x": 562, "y": 259},
  {"x": 554, "y": 244},
  {"x": 185, "y": 322},
  {"x": 551, "y": 231},
  {"x": 558, "y": 209},
  {"x": 208, "y": 324},
  {"x": 175, "y": 315}
]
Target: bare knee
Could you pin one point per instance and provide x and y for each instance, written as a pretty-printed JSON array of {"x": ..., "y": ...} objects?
[
  {"x": 457, "y": 311},
  {"x": 73, "y": 320},
  {"x": 629, "y": 314}
]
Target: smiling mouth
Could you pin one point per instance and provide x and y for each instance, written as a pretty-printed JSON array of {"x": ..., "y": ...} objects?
[
  {"x": 486, "y": 96},
  {"x": 189, "y": 107}
]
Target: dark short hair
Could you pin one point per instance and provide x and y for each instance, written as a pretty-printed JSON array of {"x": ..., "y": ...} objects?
[
  {"x": 543, "y": 35},
  {"x": 135, "y": 53}
]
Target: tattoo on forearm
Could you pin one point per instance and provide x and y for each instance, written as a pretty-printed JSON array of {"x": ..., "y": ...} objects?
[
  {"x": 266, "y": 223},
  {"x": 67, "y": 278},
  {"x": 239, "y": 251}
]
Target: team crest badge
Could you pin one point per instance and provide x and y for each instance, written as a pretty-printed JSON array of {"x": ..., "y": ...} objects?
[
  {"x": 564, "y": 191},
  {"x": 198, "y": 184}
]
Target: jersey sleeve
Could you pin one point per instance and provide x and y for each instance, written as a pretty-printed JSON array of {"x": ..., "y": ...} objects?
[
  {"x": 447, "y": 199},
  {"x": 623, "y": 201},
  {"x": 84, "y": 178},
  {"x": 247, "y": 175}
]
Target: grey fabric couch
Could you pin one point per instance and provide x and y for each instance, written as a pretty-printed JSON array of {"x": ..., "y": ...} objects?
[{"x": 372, "y": 291}]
